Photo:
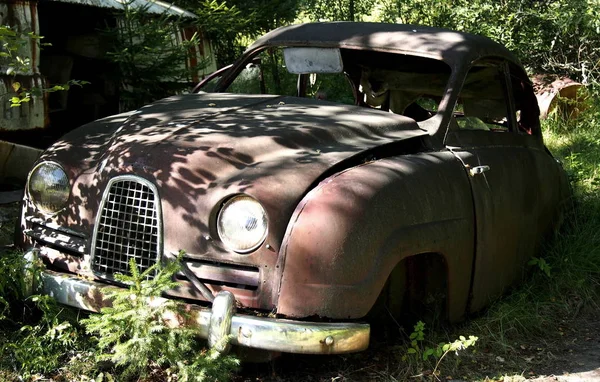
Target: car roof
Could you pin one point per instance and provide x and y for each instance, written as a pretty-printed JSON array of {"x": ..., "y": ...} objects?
[{"x": 454, "y": 48}]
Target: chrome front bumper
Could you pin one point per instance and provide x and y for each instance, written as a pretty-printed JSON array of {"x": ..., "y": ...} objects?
[{"x": 220, "y": 324}]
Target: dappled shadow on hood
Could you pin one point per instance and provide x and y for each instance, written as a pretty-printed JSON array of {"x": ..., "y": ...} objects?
[{"x": 270, "y": 147}]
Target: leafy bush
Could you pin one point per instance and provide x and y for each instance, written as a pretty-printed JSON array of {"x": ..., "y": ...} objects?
[{"x": 38, "y": 337}]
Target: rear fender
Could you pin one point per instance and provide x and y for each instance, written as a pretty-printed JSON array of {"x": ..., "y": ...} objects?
[{"x": 348, "y": 233}]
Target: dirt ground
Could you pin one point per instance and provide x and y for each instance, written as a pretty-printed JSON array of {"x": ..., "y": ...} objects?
[
  {"x": 576, "y": 357},
  {"x": 570, "y": 352}
]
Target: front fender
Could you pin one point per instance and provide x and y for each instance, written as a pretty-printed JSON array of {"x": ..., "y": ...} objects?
[{"x": 348, "y": 234}]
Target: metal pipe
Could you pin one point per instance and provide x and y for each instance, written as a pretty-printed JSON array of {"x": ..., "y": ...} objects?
[{"x": 199, "y": 285}]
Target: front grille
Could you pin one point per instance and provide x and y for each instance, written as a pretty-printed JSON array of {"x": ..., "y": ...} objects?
[{"x": 128, "y": 227}]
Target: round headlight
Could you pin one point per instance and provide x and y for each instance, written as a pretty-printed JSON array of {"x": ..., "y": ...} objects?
[
  {"x": 242, "y": 224},
  {"x": 48, "y": 187}
]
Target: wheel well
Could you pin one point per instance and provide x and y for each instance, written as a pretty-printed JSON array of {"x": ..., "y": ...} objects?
[
  {"x": 427, "y": 286},
  {"x": 416, "y": 289}
]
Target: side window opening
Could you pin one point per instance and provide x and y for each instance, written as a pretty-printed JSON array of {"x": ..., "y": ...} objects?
[
  {"x": 482, "y": 103},
  {"x": 210, "y": 85},
  {"x": 249, "y": 81},
  {"x": 526, "y": 106}
]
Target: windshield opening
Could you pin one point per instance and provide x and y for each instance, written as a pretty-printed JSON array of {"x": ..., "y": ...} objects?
[{"x": 402, "y": 84}]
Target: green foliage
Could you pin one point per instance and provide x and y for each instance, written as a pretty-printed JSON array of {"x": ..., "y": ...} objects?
[
  {"x": 135, "y": 334},
  {"x": 14, "y": 61},
  {"x": 345, "y": 10},
  {"x": 265, "y": 15},
  {"x": 43, "y": 346},
  {"x": 231, "y": 25},
  {"x": 12, "y": 282},
  {"x": 151, "y": 65},
  {"x": 16, "y": 282},
  {"x": 437, "y": 352},
  {"x": 42, "y": 339},
  {"x": 224, "y": 24},
  {"x": 11, "y": 43},
  {"x": 416, "y": 337},
  {"x": 541, "y": 264}
]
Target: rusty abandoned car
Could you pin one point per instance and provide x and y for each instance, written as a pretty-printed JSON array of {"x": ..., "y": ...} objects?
[{"x": 332, "y": 167}]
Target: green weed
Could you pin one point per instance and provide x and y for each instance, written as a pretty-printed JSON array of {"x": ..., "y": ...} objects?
[
  {"x": 18, "y": 277},
  {"x": 541, "y": 264},
  {"x": 438, "y": 351}
]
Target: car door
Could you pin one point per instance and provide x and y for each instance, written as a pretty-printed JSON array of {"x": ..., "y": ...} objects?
[
  {"x": 502, "y": 172},
  {"x": 553, "y": 197}
]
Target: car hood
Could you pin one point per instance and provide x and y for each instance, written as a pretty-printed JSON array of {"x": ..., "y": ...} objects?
[{"x": 201, "y": 148}]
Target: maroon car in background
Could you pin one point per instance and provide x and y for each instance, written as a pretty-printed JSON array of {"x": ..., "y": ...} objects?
[{"x": 333, "y": 167}]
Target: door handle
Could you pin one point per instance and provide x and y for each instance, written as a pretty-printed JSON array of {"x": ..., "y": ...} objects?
[{"x": 478, "y": 170}]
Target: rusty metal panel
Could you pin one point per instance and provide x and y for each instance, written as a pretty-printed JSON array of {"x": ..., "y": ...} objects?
[
  {"x": 455, "y": 48},
  {"x": 514, "y": 206},
  {"x": 349, "y": 233},
  {"x": 226, "y": 273},
  {"x": 154, "y": 7}
]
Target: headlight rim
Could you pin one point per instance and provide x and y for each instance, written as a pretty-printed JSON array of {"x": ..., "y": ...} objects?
[
  {"x": 32, "y": 200},
  {"x": 221, "y": 207}
]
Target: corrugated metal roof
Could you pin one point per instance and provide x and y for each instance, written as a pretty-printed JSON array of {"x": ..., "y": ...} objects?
[{"x": 152, "y": 6}]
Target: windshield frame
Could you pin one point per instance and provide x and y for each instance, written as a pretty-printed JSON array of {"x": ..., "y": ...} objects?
[{"x": 435, "y": 125}]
